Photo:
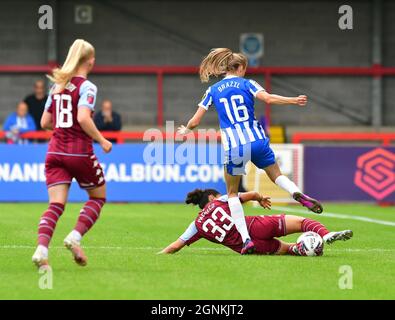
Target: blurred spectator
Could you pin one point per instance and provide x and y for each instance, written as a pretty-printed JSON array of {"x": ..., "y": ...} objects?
[
  {"x": 17, "y": 123},
  {"x": 36, "y": 102},
  {"x": 107, "y": 119}
]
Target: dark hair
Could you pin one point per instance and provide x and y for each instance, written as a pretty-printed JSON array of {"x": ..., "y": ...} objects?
[{"x": 200, "y": 197}]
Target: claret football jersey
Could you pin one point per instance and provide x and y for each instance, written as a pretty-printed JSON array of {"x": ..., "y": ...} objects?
[
  {"x": 215, "y": 224},
  {"x": 68, "y": 137}
]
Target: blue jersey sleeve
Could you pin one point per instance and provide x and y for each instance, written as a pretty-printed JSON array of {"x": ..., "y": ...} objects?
[
  {"x": 254, "y": 87},
  {"x": 88, "y": 92},
  {"x": 207, "y": 100}
]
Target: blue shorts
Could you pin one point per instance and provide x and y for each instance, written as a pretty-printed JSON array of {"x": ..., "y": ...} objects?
[{"x": 259, "y": 152}]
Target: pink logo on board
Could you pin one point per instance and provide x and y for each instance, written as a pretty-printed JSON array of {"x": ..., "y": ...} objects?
[{"x": 376, "y": 173}]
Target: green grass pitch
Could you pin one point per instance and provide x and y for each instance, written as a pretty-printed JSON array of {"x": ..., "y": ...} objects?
[{"x": 123, "y": 265}]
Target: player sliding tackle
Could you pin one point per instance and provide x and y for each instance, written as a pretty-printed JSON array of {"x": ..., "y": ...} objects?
[
  {"x": 214, "y": 223},
  {"x": 68, "y": 111},
  {"x": 243, "y": 138}
]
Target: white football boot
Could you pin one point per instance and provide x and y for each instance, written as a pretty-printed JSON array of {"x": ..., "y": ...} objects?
[
  {"x": 73, "y": 244},
  {"x": 40, "y": 257},
  {"x": 337, "y": 235}
]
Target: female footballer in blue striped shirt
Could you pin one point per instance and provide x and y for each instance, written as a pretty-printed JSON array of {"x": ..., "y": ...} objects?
[{"x": 243, "y": 138}]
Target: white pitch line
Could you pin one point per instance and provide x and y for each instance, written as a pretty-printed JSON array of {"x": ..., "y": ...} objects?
[
  {"x": 194, "y": 249},
  {"x": 104, "y": 248},
  {"x": 361, "y": 250},
  {"x": 338, "y": 216}
]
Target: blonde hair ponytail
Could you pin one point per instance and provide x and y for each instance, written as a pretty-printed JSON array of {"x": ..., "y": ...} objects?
[
  {"x": 79, "y": 52},
  {"x": 220, "y": 61}
]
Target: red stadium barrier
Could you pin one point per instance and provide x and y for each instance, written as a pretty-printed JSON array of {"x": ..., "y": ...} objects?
[
  {"x": 384, "y": 138},
  {"x": 299, "y": 137},
  {"x": 375, "y": 70}
]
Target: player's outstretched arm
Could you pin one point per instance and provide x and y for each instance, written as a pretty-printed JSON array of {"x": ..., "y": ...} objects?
[
  {"x": 193, "y": 122},
  {"x": 276, "y": 99},
  {"x": 46, "y": 121},
  {"x": 173, "y": 247},
  {"x": 264, "y": 201},
  {"x": 84, "y": 118}
]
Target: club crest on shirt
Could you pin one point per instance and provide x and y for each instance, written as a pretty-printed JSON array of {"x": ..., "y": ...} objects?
[
  {"x": 71, "y": 87},
  {"x": 90, "y": 98}
]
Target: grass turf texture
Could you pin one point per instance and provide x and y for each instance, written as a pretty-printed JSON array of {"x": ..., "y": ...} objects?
[{"x": 123, "y": 265}]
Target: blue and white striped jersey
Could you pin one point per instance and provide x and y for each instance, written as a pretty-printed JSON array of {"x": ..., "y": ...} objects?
[{"x": 233, "y": 98}]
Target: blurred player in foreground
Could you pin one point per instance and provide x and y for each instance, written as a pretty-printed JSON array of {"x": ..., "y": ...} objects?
[
  {"x": 243, "y": 138},
  {"x": 68, "y": 112},
  {"x": 215, "y": 224}
]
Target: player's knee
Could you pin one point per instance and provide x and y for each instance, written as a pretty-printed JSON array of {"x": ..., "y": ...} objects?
[
  {"x": 232, "y": 194},
  {"x": 297, "y": 221},
  {"x": 282, "y": 249},
  {"x": 273, "y": 171},
  {"x": 103, "y": 200},
  {"x": 99, "y": 192},
  {"x": 293, "y": 223},
  {"x": 232, "y": 191}
]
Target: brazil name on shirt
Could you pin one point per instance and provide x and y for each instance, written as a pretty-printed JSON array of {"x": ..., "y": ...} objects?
[{"x": 233, "y": 97}]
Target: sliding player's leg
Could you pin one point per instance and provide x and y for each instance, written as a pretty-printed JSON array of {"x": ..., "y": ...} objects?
[
  {"x": 237, "y": 212},
  {"x": 295, "y": 224},
  {"x": 285, "y": 248},
  {"x": 275, "y": 246},
  {"x": 289, "y": 249},
  {"x": 265, "y": 229},
  {"x": 274, "y": 173},
  {"x": 87, "y": 218},
  {"x": 57, "y": 199}
]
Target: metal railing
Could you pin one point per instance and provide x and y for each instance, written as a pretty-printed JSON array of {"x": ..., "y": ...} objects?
[{"x": 374, "y": 71}]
